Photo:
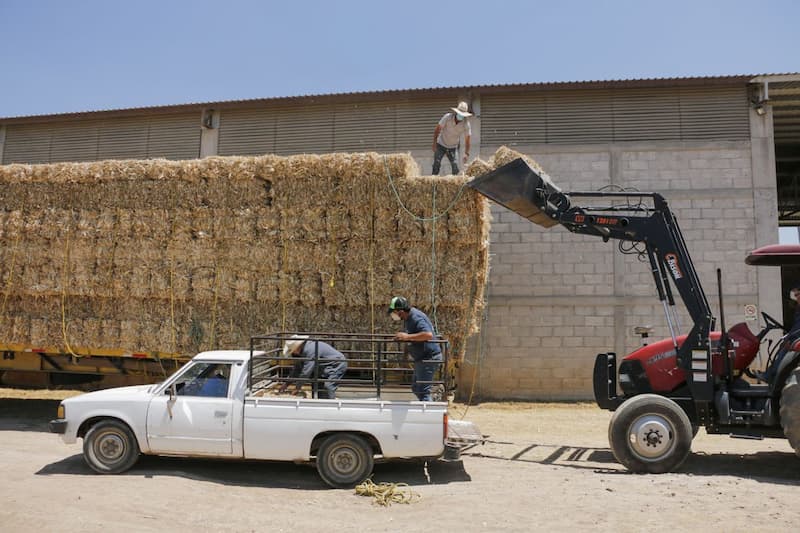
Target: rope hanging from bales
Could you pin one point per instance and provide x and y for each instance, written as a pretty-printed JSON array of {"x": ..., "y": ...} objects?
[
  {"x": 434, "y": 216},
  {"x": 371, "y": 269},
  {"x": 65, "y": 276},
  {"x": 217, "y": 276},
  {"x": 432, "y": 219},
  {"x": 9, "y": 278},
  {"x": 386, "y": 494},
  {"x": 433, "y": 260}
]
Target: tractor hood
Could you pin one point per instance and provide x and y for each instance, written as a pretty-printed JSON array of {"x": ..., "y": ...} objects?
[{"x": 775, "y": 255}]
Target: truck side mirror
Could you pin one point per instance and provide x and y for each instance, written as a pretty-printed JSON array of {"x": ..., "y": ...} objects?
[{"x": 173, "y": 394}]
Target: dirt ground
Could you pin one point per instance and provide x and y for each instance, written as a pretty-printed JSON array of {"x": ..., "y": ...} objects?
[{"x": 545, "y": 467}]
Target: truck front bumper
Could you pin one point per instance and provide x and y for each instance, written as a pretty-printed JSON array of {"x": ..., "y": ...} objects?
[{"x": 58, "y": 426}]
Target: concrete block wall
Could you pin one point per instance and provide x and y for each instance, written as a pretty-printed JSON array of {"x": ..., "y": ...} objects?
[{"x": 557, "y": 299}]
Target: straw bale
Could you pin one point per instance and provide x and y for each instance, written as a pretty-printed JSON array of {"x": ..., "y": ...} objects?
[{"x": 182, "y": 256}]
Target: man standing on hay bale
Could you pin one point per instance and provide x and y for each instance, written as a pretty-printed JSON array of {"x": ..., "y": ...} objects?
[
  {"x": 418, "y": 333},
  {"x": 332, "y": 364},
  {"x": 447, "y": 137}
]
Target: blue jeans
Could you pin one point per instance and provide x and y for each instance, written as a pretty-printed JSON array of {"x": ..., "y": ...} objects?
[
  {"x": 424, "y": 370},
  {"x": 332, "y": 371},
  {"x": 437, "y": 158}
]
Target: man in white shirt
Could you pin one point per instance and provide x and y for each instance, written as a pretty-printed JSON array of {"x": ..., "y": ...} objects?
[{"x": 447, "y": 137}]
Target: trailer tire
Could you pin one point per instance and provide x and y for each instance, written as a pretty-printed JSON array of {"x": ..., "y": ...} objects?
[
  {"x": 110, "y": 447},
  {"x": 650, "y": 434},
  {"x": 344, "y": 460},
  {"x": 790, "y": 410}
]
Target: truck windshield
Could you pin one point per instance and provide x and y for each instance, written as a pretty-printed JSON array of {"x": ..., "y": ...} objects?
[{"x": 205, "y": 379}]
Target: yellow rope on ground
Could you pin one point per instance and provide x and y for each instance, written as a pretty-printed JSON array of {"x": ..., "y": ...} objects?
[{"x": 386, "y": 494}]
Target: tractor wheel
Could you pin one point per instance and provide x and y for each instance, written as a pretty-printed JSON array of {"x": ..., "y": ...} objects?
[
  {"x": 110, "y": 447},
  {"x": 790, "y": 410},
  {"x": 344, "y": 460},
  {"x": 650, "y": 433}
]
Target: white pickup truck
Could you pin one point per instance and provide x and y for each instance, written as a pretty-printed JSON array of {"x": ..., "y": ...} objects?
[{"x": 208, "y": 409}]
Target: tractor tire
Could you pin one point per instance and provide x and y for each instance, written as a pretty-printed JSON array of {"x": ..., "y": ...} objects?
[
  {"x": 790, "y": 410},
  {"x": 344, "y": 460},
  {"x": 110, "y": 447},
  {"x": 650, "y": 434}
]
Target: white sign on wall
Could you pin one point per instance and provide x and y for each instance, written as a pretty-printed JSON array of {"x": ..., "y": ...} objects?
[{"x": 750, "y": 312}]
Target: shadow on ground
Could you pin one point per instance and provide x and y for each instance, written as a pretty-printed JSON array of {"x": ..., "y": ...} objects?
[
  {"x": 33, "y": 415},
  {"x": 17, "y": 414},
  {"x": 769, "y": 467},
  {"x": 267, "y": 473}
]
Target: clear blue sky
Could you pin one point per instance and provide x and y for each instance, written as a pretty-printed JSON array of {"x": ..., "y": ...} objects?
[{"x": 64, "y": 56}]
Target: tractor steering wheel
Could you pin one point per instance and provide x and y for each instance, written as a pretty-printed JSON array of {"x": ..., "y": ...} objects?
[{"x": 771, "y": 322}]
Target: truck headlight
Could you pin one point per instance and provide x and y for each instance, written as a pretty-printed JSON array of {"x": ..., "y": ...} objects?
[{"x": 60, "y": 413}]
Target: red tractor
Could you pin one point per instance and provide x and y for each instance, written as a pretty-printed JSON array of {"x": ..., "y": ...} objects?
[{"x": 663, "y": 392}]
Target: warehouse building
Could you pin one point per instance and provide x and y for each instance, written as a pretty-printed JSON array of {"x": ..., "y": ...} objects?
[{"x": 725, "y": 151}]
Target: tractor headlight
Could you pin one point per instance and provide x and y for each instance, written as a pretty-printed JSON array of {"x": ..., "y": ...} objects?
[
  {"x": 61, "y": 412},
  {"x": 624, "y": 378}
]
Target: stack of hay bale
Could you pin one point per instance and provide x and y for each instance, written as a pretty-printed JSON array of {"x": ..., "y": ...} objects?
[{"x": 186, "y": 256}]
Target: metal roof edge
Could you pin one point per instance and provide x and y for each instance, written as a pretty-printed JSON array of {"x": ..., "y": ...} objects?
[{"x": 409, "y": 93}]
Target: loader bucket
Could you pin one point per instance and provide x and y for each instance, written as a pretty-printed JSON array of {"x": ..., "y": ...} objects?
[{"x": 520, "y": 188}]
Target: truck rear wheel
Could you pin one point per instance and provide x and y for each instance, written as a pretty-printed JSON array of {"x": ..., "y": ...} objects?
[
  {"x": 790, "y": 410},
  {"x": 650, "y": 433},
  {"x": 344, "y": 460},
  {"x": 110, "y": 447}
]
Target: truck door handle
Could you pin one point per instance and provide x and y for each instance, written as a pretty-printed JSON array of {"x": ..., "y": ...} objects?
[{"x": 220, "y": 414}]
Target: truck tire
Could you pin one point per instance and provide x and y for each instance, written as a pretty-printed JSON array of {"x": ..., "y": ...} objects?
[
  {"x": 110, "y": 447},
  {"x": 650, "y": 434},
  {"x": 344, "y": 460},
  {"x": 790, "y": 410}
]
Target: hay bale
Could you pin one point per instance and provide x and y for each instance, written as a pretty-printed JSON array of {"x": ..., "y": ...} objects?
[{"x": 181, "y": 256}]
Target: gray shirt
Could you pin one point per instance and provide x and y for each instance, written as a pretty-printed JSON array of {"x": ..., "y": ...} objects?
[
  {"x": 450, "y": 136},
  {"x": 328, "y": 355}
]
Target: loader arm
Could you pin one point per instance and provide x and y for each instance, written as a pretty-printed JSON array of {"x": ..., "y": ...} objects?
[{"x": 643, "y": 218}]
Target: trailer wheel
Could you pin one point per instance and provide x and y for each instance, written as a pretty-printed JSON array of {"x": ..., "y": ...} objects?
[
  {"x": 110, "y": 447},
  {"x": 790, "y": 410},
  {"x": 344, "y": 460},
  {"x": 650, "y": 433}
]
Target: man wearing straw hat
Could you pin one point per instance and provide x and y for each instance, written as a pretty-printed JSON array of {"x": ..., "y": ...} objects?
[
  {"x": 447, "y": 137},
  {"x": 332, "y": 364},
  {"x": 418, "y": 332}
]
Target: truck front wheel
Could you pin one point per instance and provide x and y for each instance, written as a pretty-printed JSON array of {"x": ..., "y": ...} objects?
[
  {"x": 650, "y": 433},
  {"x": 344, "y": 460},
  {"x": 110, "y": 447}
]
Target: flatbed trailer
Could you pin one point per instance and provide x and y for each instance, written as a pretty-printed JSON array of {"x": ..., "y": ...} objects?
[{"x": 22, "y": 364}]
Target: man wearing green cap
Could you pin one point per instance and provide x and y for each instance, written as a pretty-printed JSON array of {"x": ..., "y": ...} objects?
[{"x": 418, "y": 333}]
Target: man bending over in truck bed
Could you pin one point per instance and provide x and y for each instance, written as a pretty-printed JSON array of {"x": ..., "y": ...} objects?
[{"x": 332, "y": 364}]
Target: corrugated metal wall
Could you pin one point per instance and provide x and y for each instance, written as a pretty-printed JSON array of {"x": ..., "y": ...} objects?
[
  {"x": 384, "y": 126},
  {"x": 585, "y": 116},
  {"x": 166, "y": 136},
  {"x": 614, "y": 115}
]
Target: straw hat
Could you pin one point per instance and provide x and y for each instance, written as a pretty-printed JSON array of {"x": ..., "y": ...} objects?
[
  {"x": 462, "y": 109},
  {"x": 294, "y": 341}
]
